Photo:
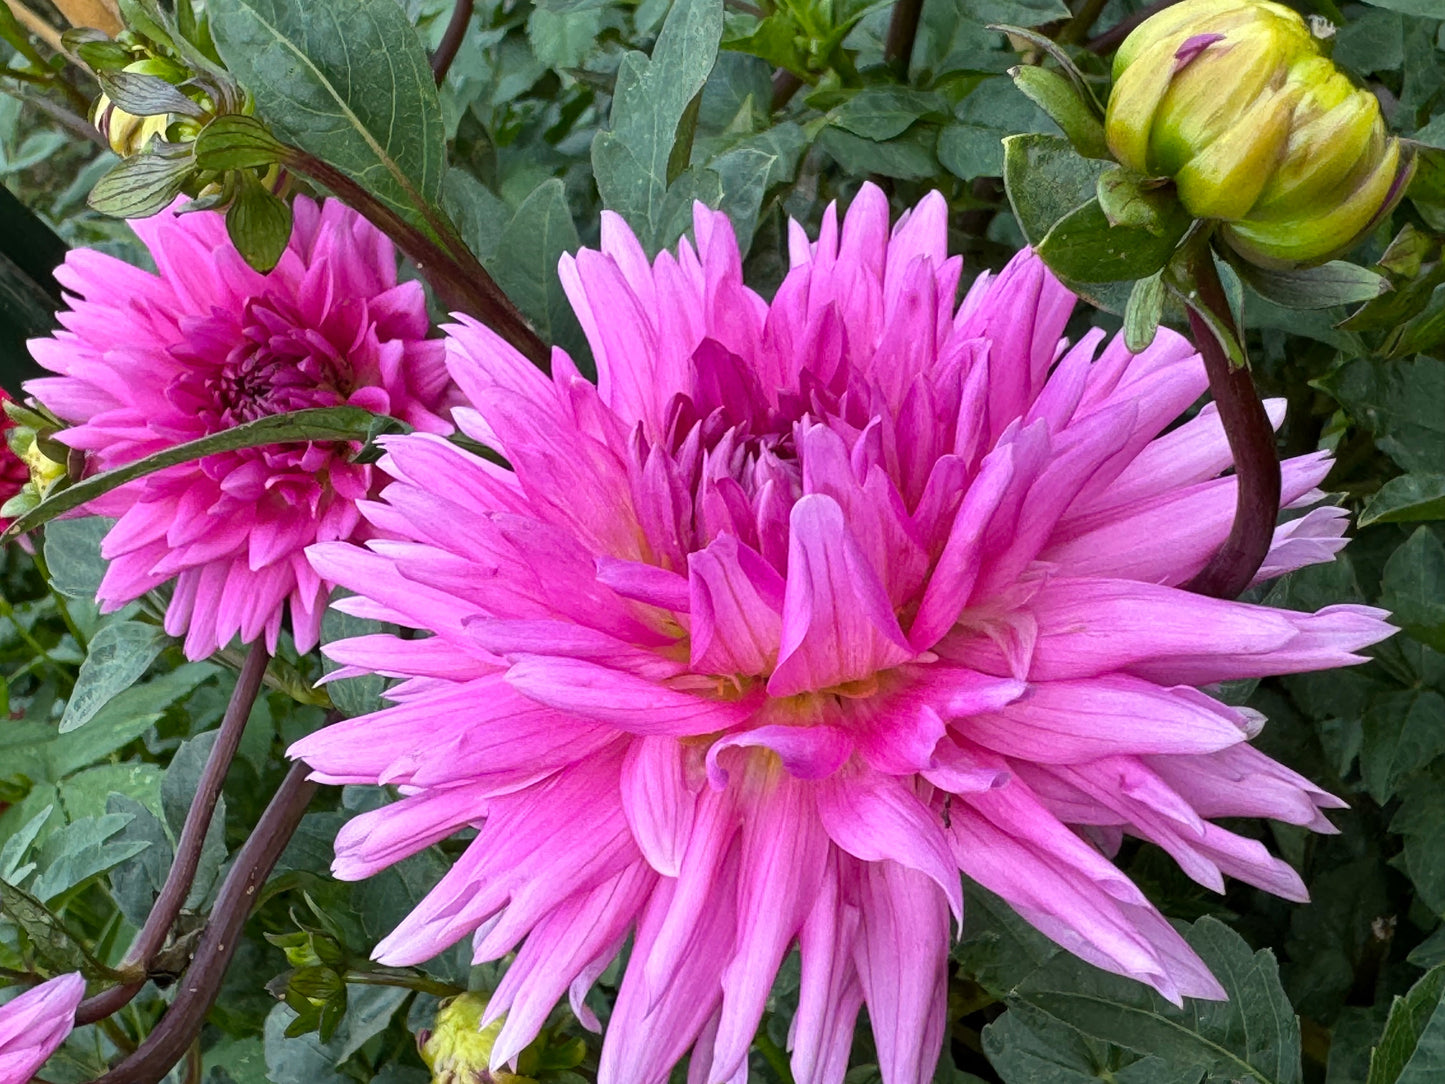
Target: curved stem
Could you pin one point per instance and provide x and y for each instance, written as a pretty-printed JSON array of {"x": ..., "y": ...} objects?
[
  {"x": 460, "y": 282},
  {"x": 162, "y": 917},
  {"x": 785, "y": 85},
  {"x": 1250, "y": 436},
  {"x": 197, "y": 989},
  {"x": 452, "y": 38}
]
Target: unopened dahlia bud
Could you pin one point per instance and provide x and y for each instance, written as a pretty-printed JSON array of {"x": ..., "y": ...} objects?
[
  {"x": 1233, "y": 100},
  {"x": 458, "y": 1050},
  {"x": 128, "y": 133}
]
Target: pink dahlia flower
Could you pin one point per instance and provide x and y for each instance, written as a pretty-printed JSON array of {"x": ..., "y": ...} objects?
[
  {"x": 34, "y": 1025},
  {"x": 149, "y": 361},
  {"x": 804, "y": 608}
]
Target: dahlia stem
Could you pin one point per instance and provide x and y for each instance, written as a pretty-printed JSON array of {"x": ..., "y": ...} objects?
[
  {"x": 1246, "y": 427},
  {"x": 172, "y": 1037},
  {"x": 452, "y": 38},
  {"x": 458, "y": 279},
  {"x": 162, "y": 917},
  {"x": 902, "y": 30}
]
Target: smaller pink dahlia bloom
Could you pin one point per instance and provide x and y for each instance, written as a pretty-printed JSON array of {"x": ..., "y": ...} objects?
[
  {"x": 805, "y": 607},
  {"x": 34, "y": 1025},
  {"x": 150, "y": 361}
]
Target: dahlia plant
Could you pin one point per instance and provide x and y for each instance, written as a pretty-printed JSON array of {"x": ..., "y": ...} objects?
[{"x": 803, "y": 608}]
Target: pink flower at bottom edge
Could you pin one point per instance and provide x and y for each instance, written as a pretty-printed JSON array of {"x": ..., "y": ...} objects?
[
  {"x": 805, "y": 607},
  {"x": 148, "y": 361},
  {"x": 33, "y": 1026}
]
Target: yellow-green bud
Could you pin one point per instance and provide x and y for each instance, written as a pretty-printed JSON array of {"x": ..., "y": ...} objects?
[
  {"x": 128, "y": 133},
  {"x": 1233, "y": 100},
  {"x": 458, "y": 1050}
]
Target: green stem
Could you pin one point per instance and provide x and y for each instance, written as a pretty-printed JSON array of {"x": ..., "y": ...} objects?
[
  {"x": 177, "y": 887},
  {"x": 1077, "y": 28},
  {"x": 422, "y": 984},
  {"x": 60, "y": 603},
  {"x": 775, "y": 1057}
]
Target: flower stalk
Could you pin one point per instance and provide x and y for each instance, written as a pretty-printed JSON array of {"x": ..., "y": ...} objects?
[
  {"x": 1246, "y": 427},
  {"x": 152, "y": 937},
  {"x": 197, "y": 989}
]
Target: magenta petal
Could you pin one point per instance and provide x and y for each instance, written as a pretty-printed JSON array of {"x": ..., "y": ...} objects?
[
  {"x": 658, "y": 801},
  {"x": 837, "y": 624}
]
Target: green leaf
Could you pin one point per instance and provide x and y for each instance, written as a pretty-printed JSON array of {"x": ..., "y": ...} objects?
[
  {"x": 1254, "y": 1036},
  {"x": 1017, "y": 12},
  {"x": 972, "y": 146},
  {"x": 137, "y": 881},
  {"x": 525, "y": 263},
  {"x": 910, "y": 157},
  {"x": 55, "y": 947},
  {"x": 1026, "y": 1046},
  {"x": 258, "y": 223},
  {"x": 1334, "y": 283},
  {"x": 751, "y": 169},
  {"x": 320, "y": 423},
  {"x": 1418, "y": 820},
  {"x": 1414, "y": 587},
  {"x": 651, "y": 99},
  {"x": 119, "y": 654},
  {"x": 358, "y": 695},
  {"x": 142, "y": 185},
  {"x": 178, "y": 794},
  {"x": 1429, "y": 9},
  {"x": 1046, "y": 181},
  {"x": 146, "y": 95},
  {"x": 72, "y": 552},
  {"x": 123, "y": 719},
  {"x": 564, "y": 38},
  {"x": 882, "y": 112},
  {"x": 348, "y": 82},
  {"x": 1412, "y": 1049},
  {"x": 236, "y": 141},
  {"x": 1084, "y": 247},
  {"x": 1399, "y": 402},
  {"x": 80, "y": 851},
  {"x": 1402, "y": 732},
  {"x": 1057, "y": 96},
  {"x": 1410, "y": 498},
  {"x": 1143, "y": 313}
]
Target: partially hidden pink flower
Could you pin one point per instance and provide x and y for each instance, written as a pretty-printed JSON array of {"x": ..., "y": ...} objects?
[
  {"x": 33, "y": 1026},
  {"x": 13, "y": 471},
  {"x": 805, "y": 607},
  {"x": 148, "y": 361}
]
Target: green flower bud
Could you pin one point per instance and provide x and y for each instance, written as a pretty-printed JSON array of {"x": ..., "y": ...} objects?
[
  {"x": 458, "y": 1050},
  {"x": 128, "y": 133},
  {"x": 1233, "y": 101}
]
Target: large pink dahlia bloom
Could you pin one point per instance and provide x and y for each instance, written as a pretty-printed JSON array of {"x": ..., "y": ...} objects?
[
  {"x": 34, "y": 1025},
  {"x": 805, "y": 608},
  {"x": 150, "y": 361}
]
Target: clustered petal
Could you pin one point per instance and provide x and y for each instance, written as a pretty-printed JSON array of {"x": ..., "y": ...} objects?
[
  {"x": 802, "y": 609},
  {"x": 33, "y": 1026},
  {"x": 149, "y": 361}
]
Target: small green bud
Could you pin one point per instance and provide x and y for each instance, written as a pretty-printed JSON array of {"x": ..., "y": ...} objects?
[
  {"x": 130, "y": 133},
  {"x": 1234, "y": 101},
  {"x": 458, "y": 1050}
]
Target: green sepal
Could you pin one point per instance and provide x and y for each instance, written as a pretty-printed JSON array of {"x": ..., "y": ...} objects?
[
  {"x": 144, "y": 184},
  {"x": 1143, "y": 313},
  {"x": 258, "y": 222},
  {"x": 1061, "y": 99}
]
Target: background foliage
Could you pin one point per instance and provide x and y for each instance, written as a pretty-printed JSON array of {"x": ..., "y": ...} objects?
[{"x": 553, "y": 109}]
